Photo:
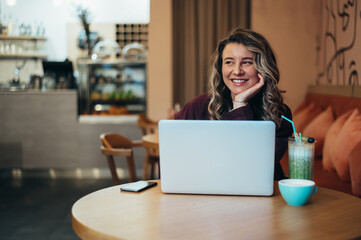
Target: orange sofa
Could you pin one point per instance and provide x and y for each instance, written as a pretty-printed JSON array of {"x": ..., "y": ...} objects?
[{"x": 335, "y": 122}]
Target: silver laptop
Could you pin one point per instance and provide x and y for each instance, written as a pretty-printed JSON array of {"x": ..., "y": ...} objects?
[{"x": 217, "y": 157}]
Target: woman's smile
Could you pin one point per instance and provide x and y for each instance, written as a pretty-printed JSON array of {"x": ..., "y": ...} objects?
[{"x": 239, "y": 81}]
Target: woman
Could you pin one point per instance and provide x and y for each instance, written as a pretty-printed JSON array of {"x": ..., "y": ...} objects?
[{"x": 244, "y": 83}]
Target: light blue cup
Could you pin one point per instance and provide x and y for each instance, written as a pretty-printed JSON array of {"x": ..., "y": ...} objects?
[{"x": 297, "y": 192}]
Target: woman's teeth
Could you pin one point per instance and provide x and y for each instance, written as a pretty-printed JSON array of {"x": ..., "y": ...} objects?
[{"x": 238, "y": 81}]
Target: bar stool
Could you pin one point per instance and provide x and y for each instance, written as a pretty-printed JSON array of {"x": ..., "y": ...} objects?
[{"x": 117, "y": 145}]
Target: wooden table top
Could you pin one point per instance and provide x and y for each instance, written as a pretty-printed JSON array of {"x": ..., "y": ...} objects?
[
  {"x": 151, "y": 141},
  {"x": 151, "y": 214}
]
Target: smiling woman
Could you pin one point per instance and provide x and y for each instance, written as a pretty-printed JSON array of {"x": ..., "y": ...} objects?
[
  {"x": 247, "y": 56},
  {"x": 244, "y": 86},
  {"x": 239, "y": 72}
]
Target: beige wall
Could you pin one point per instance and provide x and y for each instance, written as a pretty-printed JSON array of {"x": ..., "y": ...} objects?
[
  {"x": 290, "y": 27},
  {"x": 160, "y": 66}
]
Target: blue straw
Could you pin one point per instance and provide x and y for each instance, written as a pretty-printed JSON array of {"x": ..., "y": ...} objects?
[{"x": 293, "y": 126}]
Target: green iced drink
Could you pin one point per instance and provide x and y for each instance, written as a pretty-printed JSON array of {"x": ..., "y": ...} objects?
[{"x": 300, "y": 159}]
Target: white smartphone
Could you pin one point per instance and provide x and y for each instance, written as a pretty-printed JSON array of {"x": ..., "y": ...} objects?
[{"x": 137, "y": 186}]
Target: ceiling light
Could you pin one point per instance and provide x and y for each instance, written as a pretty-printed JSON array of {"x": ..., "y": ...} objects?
[{"x": 11, "y": 3}]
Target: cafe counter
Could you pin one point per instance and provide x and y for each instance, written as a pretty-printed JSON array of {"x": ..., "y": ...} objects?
[{"x": 43, "y": 130}]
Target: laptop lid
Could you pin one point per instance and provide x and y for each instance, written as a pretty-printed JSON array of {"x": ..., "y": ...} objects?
[{"x": 217, "y": 157}]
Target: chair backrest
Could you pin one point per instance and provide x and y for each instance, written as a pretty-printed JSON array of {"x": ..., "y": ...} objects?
[
  {"x": 113, "y": 140},
  {"x": 146, "y": 124},
  {"x": 117, "y": 145}
]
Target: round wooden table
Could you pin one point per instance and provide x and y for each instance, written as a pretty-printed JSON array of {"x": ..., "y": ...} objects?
[
  {"x": 151, "y": 141},
  {"x": 112, "y": 214}
]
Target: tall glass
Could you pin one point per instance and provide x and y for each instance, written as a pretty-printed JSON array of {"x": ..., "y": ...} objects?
[{"x": 300, "y": 159}]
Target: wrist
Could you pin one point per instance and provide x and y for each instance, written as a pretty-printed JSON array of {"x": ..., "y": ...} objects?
[{"x": 237, "y": 104}]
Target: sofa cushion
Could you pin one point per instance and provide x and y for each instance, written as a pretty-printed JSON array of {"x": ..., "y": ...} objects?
[
  {"x": 329, "y": 179},
  {"x": 348, "y": 138},
  {"x": 328, "y": 146},
  {"x": 305, "y": 116},
  {"x": 355, "y": 170},
  {"x": 318, "y": 128}
]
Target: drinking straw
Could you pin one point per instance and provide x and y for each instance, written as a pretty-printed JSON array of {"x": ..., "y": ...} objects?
[{"x": 293, "y": 126}]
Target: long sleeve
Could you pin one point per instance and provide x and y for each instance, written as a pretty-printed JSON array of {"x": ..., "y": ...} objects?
[
  {"x": 282, "y": 135},
  {"x": 196, "y": 109},
  {"x": 242, "y": 113}
]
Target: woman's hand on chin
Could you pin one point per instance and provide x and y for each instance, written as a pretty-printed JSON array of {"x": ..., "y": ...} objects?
[{"x": 242, "y": 98}]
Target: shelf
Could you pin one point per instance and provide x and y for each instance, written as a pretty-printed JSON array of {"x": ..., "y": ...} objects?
[
  {"x": 119, "y": 119},
  {"x": 43, "y": 56},
  {"x": 93, "y": 95},
  {"x": 118, "y": 102},
  {"x": 132, "y": 82},
  {"x": 22, "y": 37},
  {"x": 111, "y": 62},
  {"x": 33, "y": 54}
]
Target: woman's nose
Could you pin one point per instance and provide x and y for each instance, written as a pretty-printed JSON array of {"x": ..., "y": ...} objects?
[{"x": 238, "y": 70}]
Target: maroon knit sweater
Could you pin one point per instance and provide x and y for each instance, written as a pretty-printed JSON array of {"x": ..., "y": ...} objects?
[{"x": 197, "y": 109}]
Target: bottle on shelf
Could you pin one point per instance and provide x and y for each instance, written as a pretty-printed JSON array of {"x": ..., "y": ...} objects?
[{"x": 10, "y": 26}]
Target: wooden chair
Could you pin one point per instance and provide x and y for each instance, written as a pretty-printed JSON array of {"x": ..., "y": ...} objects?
[
  {"x": 117, "y": 145},
  {"x": 149, "y": 126}
]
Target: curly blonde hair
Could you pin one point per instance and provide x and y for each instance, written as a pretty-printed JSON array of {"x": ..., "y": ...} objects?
[{"x": 268, "y": 103}]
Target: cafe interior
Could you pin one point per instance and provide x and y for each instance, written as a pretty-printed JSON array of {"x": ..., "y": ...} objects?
[{"x": 75, "y": 75}]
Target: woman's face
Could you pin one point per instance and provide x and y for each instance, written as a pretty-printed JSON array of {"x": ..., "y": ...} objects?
[{"x": 238, "y": 68}]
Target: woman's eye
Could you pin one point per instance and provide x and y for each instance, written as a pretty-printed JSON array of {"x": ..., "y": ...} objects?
[
  {"x": 228, "y": 62},
  {"x": 247, "y": 62}
]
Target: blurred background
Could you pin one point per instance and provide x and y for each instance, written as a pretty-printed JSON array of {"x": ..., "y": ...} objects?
[{"x": 71, "y": 70}]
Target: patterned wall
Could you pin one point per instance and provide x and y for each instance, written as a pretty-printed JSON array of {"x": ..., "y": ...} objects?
[
  {"x": 128, "y": 33},
  {"x": 339, "y": 42}
]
